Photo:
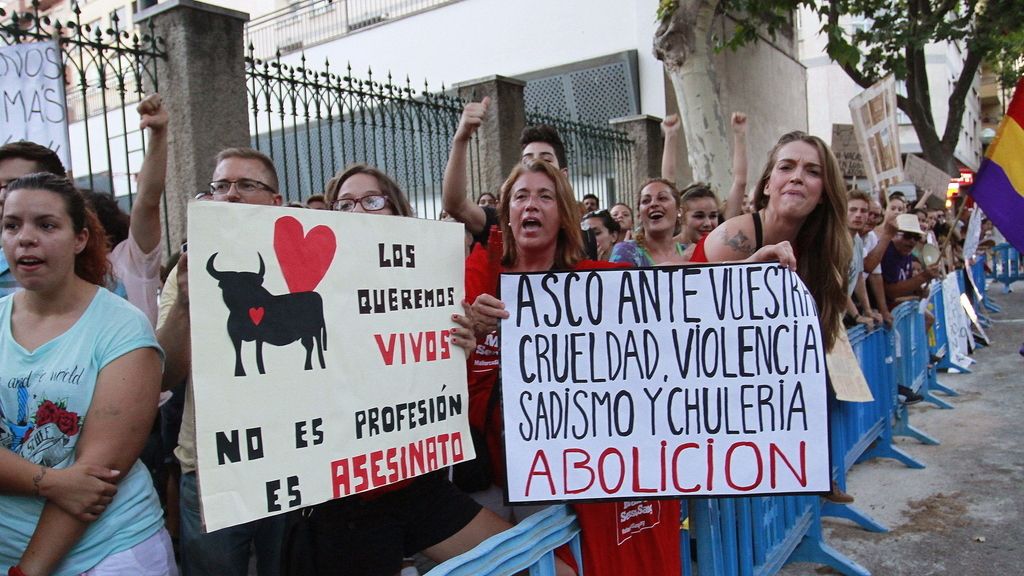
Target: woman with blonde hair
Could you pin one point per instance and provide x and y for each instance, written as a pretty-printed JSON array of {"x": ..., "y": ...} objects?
[{"x": 654, "y": 244}]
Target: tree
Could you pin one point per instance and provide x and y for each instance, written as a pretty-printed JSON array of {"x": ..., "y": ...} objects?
[{"x": 987, "y": 30}]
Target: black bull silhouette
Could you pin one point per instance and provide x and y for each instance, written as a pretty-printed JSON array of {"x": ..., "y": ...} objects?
[{"x": 256, "y": 314}]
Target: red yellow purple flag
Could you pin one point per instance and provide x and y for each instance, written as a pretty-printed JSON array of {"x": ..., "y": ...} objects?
[{"x": 999, "y": 186}]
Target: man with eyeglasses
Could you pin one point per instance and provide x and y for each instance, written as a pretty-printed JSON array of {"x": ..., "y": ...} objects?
[
  {"x": 249, "y": 177},
  {"x": 898, "y": 262}
]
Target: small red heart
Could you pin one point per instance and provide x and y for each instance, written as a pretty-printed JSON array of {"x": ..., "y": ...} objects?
[
  {"x": 256, "y": 315},
  {"x": 304, "y": 258}
]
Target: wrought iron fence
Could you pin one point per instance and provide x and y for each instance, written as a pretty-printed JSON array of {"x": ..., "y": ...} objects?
[
  {"x": 600, "y": 158},
  {"x": 315, "y": 122},
  {"x": 106, "y": 70},
  {"x": 303, "y": 24}
]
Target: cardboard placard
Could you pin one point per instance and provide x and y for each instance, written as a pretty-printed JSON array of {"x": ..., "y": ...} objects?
[
  {"x": 874, "y": 123},
  {"x": 32, "y": 87}
]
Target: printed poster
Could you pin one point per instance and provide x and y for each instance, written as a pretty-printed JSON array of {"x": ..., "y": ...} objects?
[
  {"x": 629, "y": 384},
  {"x": 32, "y": 83},
  {"x": 320, "y": 355}
]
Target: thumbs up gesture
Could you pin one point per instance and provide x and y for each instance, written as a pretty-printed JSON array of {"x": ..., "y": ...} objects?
[{"x": 472, "y": 117}]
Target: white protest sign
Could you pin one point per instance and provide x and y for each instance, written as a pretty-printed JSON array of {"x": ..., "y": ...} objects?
[
  {"x": 32, "y": 88},
  {"x": 700, "y": 380},
  {"x": 320, "y": 356},
  {"x": 973, "y": 236},
  {"x": 930, "y": 179},
  {"x": 955, "y": 318},
  {"x": 874, "y": 123}
]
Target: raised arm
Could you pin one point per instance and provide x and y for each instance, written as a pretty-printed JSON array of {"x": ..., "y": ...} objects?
[
  {"x": 734, "y": 203},
  {"x": 885, "y": 234},
  {"x": 118, "y": 423},
  {"x": 670, "y": 129},
  {"x": 454, "y": 199},
  {"x": 145, "y": 222}
]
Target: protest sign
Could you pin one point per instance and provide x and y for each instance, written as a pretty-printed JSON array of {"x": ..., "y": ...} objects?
[
  {"x": 320, "y": 357},
  {"x": 957, "y": 330},
  {"x": 847, "y": 152},
  {"x": 700, "y": 380},
  {"x": 972, "y": 238},
  {"x": 32, "y": 87},
  {"x": 874, "y": 123},
  {"x": 931, "y": 180},
  {"x": 848, "y": 380}
]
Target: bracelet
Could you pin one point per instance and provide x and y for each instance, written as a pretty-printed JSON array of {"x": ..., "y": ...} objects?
[
  {"x": 36, "y": 480},
  {"x": 15, "y": 571}
]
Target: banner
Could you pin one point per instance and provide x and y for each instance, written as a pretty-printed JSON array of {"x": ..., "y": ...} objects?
[
  {"x": 874, "y": 123},
  {"x": 957, "y": 329},
  {"x": 32, "y": 83},
  {"x": 699, "y": 380},
  {"x": 320, "y": 357}
]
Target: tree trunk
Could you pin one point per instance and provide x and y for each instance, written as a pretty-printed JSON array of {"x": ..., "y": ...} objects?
[{"x": 683, "y": 43}]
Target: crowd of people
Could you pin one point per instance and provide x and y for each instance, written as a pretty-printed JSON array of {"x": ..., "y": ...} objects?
[{"x": 95, "y": 344}]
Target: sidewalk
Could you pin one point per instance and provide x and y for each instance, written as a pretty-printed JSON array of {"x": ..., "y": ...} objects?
[{"x": 964, "y": 513}]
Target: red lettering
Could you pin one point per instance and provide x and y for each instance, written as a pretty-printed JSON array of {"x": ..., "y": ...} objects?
[
  {"x": 431, "y": 346},
  {"x": 359, "y": 470},
  {"x": 675, "y": 466},
  {"x": 376, "y": 477},
  {"x": 442, "y": 441},
  {"x": 801, "y": 477},
  {"x": 340, "y": 478},
  {"x": 577, "y": 465},
  {"x": 600, "y": 470},
  {"x": 393, "y": 474},
  {"x": 386, "y": 352},
  {"x": 540, "y": 458},
  {"x": 711, "y": 464},
  {"x": 432, "y": 453},
  {"x": 728, "y": 466},
  {"x": 446, "y": 351},
  {"x": 636, "y": 474},
  {"x": 417, "y": 345},
  {"x": 457, "y": 451}
]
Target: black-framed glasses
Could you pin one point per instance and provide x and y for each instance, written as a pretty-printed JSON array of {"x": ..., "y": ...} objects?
[
  {"x": 370, "y": 203},
  {"x": 244, "y": 186}
]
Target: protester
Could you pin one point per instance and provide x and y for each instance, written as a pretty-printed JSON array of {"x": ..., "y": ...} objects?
[
  {"x": 654, "y": 243},
  {"x": 69, "y": 443},
  {"x": 734, "y": 204},
  {"x": 241, "y": 175},
  {"x": 316, "y": 202},
  {"x": 700, "y": 213},
  {"x": 857, "y": 213},
  {"x": 873, "y": 276},
  {"x": 897, "y": 265},
  {"x": 623, "y": 214},
  {"x": 605, "y": 231},
  {"x": 370, "y": 533},
  {"x": 487, "y": 200},
  {"x": 539, "y": 233},
  {"x": 591, "y": 203}
]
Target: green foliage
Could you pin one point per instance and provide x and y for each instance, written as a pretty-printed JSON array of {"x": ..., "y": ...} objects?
[{"x": 666, "y": 8}]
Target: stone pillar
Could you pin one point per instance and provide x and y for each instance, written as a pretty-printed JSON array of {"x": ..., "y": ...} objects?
[
  {"x": 202, "y": 82},
  {"x": 499, "y": 135},
  {"x": 645, "y": 131}
]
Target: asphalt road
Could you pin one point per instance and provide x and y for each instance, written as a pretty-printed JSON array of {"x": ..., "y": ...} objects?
[{"x": 964, "y": 513}]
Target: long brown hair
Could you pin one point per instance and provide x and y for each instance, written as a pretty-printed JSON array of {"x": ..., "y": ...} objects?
[
  {"x": 91, "y": 263},
  {"x": 640, "y": 236},
  {"x": 823, "y": 242},
  {"x": 569, "y": 244}
]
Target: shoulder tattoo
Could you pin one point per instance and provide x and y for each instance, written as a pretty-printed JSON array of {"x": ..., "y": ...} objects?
[{"x": 740, "y": 243}]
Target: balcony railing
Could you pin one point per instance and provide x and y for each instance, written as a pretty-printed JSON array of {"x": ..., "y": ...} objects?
[{"x": 311, "y": 22}]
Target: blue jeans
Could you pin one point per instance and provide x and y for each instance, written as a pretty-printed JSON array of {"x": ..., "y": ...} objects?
[{"x": 226, "y": 552}]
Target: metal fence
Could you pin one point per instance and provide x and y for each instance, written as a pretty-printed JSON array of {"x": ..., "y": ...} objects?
[
  {"x": 303, "y": 24},
  {"x": 106, "y": 70},
  {"x": 599, "y": 158}
]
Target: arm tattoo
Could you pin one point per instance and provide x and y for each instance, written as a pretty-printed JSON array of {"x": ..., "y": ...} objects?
[
  {"x": 740, "y": 243},
  {"x": 37, "y": 479}
]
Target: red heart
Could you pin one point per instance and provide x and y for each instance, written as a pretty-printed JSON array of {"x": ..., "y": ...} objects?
[
  {"x": 304, "y": 259},
  {"x": 256, "y": 315}
]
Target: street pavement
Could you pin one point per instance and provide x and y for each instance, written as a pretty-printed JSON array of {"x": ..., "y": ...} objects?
[{"x": 964, "y": 513}]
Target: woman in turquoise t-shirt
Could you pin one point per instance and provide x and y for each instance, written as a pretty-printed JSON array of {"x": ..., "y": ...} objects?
[{"x": 79, "y": 381}]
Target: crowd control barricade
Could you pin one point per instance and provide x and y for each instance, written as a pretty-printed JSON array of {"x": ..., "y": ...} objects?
[
  {"x": 911, "y": 347},
  {"x": 529, "y": 546},
  {"x": 984, "y": 303},
  {"x": 1006, "y": 265},
  {"x": 939, "y": 349}
]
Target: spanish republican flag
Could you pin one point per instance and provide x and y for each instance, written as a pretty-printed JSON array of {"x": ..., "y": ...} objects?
[{"x": 999, "y": 186}]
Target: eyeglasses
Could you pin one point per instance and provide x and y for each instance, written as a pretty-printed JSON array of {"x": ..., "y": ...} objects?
[
  {"x": 370, "y": 203},
  {"x": 244, "y": 186},
  {"x": 910, "y": 236}
]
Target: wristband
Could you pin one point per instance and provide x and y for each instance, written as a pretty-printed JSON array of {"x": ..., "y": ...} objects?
[{"x": 15, "y": 571}]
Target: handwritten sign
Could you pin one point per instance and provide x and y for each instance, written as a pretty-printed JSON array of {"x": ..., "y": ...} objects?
[
  {"x": 320, "y": 355},
  {"x": 957, "y": 329},
  {"x": 847, "y": 151},
  {"x": 702, "y": 380},
  {"x": 874, "y": 123},
  {"x": 33, "y": 106}
]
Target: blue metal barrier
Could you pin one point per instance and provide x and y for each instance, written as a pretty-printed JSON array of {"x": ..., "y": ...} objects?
[
  {"x": 940, "y": 350},
  {"x": 980, "y": 281},
  {"x": 911, "y": 347},
  {"x": 1006, "y": 265}
]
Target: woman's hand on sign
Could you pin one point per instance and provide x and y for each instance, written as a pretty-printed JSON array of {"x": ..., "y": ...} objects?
[
  {"x": 82, "y": 490},
  {"x": 485, "y": 313},
  {"x": 462, "y": 335},
  {"x": 783, "y": 252}
]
